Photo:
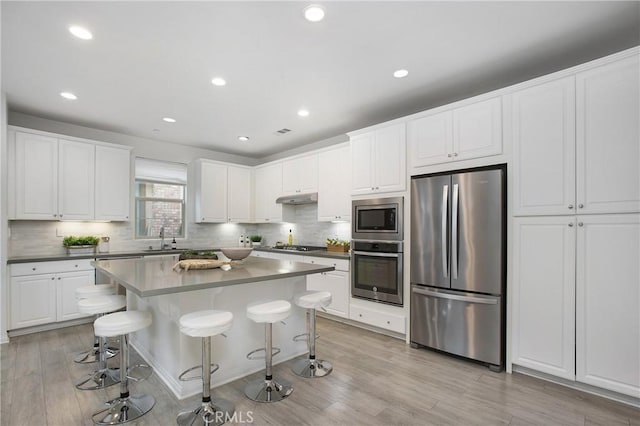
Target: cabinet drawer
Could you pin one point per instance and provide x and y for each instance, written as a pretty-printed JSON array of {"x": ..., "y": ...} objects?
[
  {"x": 377, "y": 318},
  {"x": 339, "y": 264},
  {"x": 32, "y": 268}
]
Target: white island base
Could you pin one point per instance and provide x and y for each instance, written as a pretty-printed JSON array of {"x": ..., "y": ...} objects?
[{"x": 170, "y": 352}]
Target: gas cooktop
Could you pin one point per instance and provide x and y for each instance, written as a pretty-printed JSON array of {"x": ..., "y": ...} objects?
[{"x": 299, "y": 248}]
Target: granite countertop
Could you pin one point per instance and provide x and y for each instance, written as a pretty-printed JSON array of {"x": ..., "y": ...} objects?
[
  {"x": 153, "y": 276},
  {"x": 140, "y": 253}
]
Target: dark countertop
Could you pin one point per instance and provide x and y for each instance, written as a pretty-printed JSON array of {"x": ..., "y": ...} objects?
[
  {"x": 140, "y": 253},
  {"x": 153, "y": 276}
]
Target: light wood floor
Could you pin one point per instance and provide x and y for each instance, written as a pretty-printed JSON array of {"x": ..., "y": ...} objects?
[{"x": 377, "y": 380}]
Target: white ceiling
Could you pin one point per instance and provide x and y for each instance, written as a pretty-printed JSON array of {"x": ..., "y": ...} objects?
[{"x": 150, "y": 60}]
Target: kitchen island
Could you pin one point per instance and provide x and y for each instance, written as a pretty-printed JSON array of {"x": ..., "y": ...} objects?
[{"x": 153, "y": 285}]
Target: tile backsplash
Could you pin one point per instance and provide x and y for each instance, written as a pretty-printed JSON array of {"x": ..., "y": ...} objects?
[{"x": 45, "y": 237}]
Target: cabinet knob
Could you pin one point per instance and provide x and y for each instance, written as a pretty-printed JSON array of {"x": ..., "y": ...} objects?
[
  {"x": 571, "y": 225},
  {"x": 372, "y": 188},
  {"x": 61, "y": 215},
  {"x": 455, "y": 154},
  {"x": 126, "y": 217},
  {"x": 33, "y": 269},
  {"x": 449, "y": 155},
  {"x": 570, "y": 206},
  {"x": 53, "y": 278},
  {"x": 76, "y": 266},
  {"x": 580, "y": 224},
  {"x": 580, "y": 206},
  {"x": 55, "y": 215},
  {"x": 388, "y": 322},
  {"x": 59, "y": 278},
  {"x": 360, "y": 315}
]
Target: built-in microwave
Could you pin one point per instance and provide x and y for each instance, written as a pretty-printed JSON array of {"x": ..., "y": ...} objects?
[{"x": 378, "y": 219}]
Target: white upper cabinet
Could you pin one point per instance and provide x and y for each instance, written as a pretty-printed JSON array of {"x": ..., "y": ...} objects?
[
  {"x": 300, "y": 175},
  {"x": 239, "y": 194},
  {"x": 211, "y": 192},
  {"x": 378, "y": 161},
  {"x": 113, "y": 183},
  {"x": 222, "y": 192},
  {"x": 608, "y": 302},
  {"x": 608, "y": 138},
  {"x": 35, "y": 172},
  {"x": 76, "y": 180},
  {"x": 334, "y": 183},
  {"x": 543, "y": 135},
  {"x": 268, "y": 187},
  {"x": 463, "y": 133},
  {"x": 54, "y": 178}
]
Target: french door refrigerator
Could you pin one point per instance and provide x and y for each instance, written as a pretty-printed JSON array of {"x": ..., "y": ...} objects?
[{"x": 458, "y": 263}]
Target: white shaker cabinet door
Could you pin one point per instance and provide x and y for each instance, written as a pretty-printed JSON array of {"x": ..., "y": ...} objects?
[
  {"x": 300, "y": 175},
  {"x": 608, "y": 302},
  {"x": 113, "y": 183},
  {"x": 543, "y": 135},
  {"x": 36, "y": 177},
  {"x": 76, "y": 163},
  {"x": 334, "y": 185},
  {"x": 268, "y": 188},
  {"x": 239, "y": 194},
  {"x": 608, "y": 138},
  {"x": 33, "y": 300},
  {"x": 477, "y": 130},
  {"x": 67, "y": 283},
  {"x": 430, "y": 139},
  {"x": 211, "y": 192},
  {"x": 361, "y": 164},
  {"x": 543, "y": 295},
  {"x": 390, "y": 159}
]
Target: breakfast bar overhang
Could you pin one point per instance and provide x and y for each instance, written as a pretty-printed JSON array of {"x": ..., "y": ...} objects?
[{"x": 153, "y": 285}]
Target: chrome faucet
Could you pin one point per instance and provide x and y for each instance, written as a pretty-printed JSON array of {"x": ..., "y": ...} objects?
[{"x": 162, "y": 238}]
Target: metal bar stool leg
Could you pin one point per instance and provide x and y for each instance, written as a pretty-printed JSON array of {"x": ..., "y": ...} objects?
[
  {"x": 312, "y": 367},
  {"x": 103, "y": 377}
]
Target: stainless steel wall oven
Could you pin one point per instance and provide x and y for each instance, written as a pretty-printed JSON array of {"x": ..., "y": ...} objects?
[{"x": 376, "y": 271}]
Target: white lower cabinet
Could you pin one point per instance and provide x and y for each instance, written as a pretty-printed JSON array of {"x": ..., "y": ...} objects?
[
  {"x": 576, "y": 296},
  {"x": 378, "y": 318},
  {"x": 44, "y": 292},
  {"x": 335, "y": 282}
]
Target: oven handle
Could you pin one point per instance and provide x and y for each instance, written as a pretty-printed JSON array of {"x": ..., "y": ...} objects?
[
  {"x": 370, "y": 253},
  {"x": 474, "y": 299}
]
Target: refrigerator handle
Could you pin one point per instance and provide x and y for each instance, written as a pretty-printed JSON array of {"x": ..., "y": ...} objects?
[
  {"x": 443, "y": 245},
  {"x": 474, "y": 299},
  {"x": 454, "y": 232}
]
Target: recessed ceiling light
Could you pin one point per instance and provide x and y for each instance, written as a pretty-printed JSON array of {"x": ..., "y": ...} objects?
[
  {"x": 243, "y": 138},
  {"x": 69, "y": 95},
  {"x": 218, "y": 81},
  {"x": 314, "y": 13},
  {"x": 81, "y": 32},
  {"x": 400, "y": 73},
  {"x": 303, "y": 113},
  {"x": 169, "y": 120}
]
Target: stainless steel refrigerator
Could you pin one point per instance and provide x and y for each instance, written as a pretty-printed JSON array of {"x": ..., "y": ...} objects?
[{"x": 458, "y": 263}]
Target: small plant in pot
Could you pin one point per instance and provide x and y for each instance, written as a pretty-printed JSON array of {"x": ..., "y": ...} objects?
[
  {"x": 80, "y": 245},
  {"x": 256, "y": 240}
]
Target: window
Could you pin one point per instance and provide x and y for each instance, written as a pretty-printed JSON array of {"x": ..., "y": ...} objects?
[{"x": 160, "y": 198}]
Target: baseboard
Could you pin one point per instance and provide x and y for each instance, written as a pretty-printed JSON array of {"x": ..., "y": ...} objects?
[
  {"x": 50, "y": 326},
  {"x": 367, "y": 327},
  {"x": 583, "y": 387}
]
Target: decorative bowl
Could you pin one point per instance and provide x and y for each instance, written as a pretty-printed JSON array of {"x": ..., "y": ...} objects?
[{"x": 236, "y": 253}]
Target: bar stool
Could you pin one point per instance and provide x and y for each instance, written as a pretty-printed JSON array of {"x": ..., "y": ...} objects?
[
  {"x": 102, "y": 377},
  {"x": 312, "y": 367},
  {"x": 206, "y": 324},
  {"x": 267, "y": 389},
  {"x": 126, "y": 407},
  {"x": 93, "y": 354}
]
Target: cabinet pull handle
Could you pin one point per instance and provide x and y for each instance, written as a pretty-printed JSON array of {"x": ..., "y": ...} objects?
[
  {"x": 570, "y": 206},
  {"x": 571, "y": 225}
]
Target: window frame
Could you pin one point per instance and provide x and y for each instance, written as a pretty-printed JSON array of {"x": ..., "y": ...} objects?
[{"x": 137, "y": 199}]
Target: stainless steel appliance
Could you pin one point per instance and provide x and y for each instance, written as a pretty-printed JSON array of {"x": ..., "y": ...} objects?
[
  {"x": 378, "y": 219},
  {"x": 458, "y": 253},
  {"x": 376, "y": 271}
]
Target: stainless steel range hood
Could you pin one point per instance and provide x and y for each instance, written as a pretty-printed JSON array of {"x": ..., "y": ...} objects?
[{"x": 310, "y": 198}]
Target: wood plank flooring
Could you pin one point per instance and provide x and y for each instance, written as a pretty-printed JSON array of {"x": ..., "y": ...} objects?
[{"x": 377, "y": 380}]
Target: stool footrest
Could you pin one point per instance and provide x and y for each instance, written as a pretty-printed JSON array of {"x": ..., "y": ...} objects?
[
  {"x": 303, "y": 337},
  {"x": 183, "y": 377},
  {"x": 250, "y": 355}
]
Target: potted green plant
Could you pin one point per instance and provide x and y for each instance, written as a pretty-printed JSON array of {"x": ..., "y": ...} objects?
[
  {"x": 336, "y": 245},
  {"x": 256, "y": 240},
  {"x": 80, "y": 245}
]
